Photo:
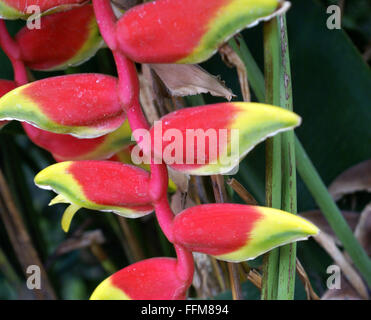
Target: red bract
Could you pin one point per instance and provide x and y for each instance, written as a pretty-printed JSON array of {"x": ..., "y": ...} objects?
[
  {"x": 98, "y": 185},
  {"x": 235, "y": 232},
  {"x": 102, "y": 182},
  {"x": 48, "y": 48},
  {"x": 124, "y": 156},
  {"x": 5, "y": 87},
  {"x": 185, "y": 31},
  {"x": 14, "y": 9},
  {"x": 152, "y": 279},
  {"x": 84, "y": 105},
  {"x": 65, "y": 147},
  {"x": 212, "y": 139}
]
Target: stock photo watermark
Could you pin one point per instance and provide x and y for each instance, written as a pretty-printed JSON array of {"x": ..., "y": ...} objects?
[
  {"x": 33, "y": 277},
  {"x": 333, "y": 282},
  {"x": 34, "y": 20},
  {"x": 188, "y": 147},
  {"x": 334, "y": 20}
]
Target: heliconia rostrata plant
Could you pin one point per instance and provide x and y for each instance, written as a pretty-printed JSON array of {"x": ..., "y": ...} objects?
[{"x": 86, "y": 121}]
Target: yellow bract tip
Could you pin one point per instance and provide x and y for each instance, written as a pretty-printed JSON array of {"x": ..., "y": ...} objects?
[
  {"x": 58, "y": 199},
  {"x": 107, "y": 291},
  {"x": 68, "y": 215}
]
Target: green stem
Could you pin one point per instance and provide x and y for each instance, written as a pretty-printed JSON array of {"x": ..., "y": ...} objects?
[
  {"x": 273, "y": 178},
  {"x": 316, "y": 187},
  {"x": 287, "y": 263}
]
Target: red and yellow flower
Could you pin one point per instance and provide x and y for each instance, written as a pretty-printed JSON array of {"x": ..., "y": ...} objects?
[
  {"x": 83, "y": 105},
  {"x": 5, "y": 87},
  {"x": 185, "y": 31},
  {"x": 97, "y": 185},
  {"x": 152, "y": 279},
  {"x": 15, "y": 9},
  {"x": 48, "y": 48},
  {"x": 231, "y": 131},
  {"x": 65, "y": 147},
  {"x": 235, "y": 232}
]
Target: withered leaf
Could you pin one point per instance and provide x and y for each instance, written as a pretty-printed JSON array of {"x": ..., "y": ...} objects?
[
  {"x": 356, "y": 178},
  {"x": 317, "y": 218},
  {"x": 327, "y": 243},
  {"x": 186, "y": 80},
  {"x": 363, "y": 229},
  {"x": 346, "y": 292}
]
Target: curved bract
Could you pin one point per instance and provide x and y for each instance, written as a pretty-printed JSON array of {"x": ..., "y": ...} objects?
[
  {"x": 234, "y": 232},
  {"x": 98, "y": 185},
  {"x": 124, "y": 156},
  {"x": 152, "y": 279},
  {"x": 83, "y": 105},
  {"x": 185, "y": 31},
  {"x": 65, "y": 147},
  {"x": 5, "y": 87},
  {"x": 48, "y": 48},
  {"x": 15, "y": 9},
  {"x": 212, "y": 139}
]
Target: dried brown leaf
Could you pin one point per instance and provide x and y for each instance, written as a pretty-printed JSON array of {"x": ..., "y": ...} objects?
[
  {"x": 181, "y": 180},
  {"x": 83, "y": 241},
  {"x": 349, "y": 272},
  {"x": 185, "y": 80},
  {"x": 255, "y": 277},
  {"x": 242, "y": 192},
  {"x": 317, "y": 218},
  {"x": 311, "y": 295},
  {"x": 346, "y": 292},
  {"x": 204, "y": 280},
  {"x": 147, "y": 96},
  {"x": 181, "y": 201},
  {"x": 363, "y": 229},
  {"x": 125, "y": 4},
  {"x": 232, "y": 59},
  {"x": 356, "y": 178}
]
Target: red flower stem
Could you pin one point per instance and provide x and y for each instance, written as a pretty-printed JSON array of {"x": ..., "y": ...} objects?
[
  {"x": 165, "y": 217},
  {"x": 11, "y": 49},
  {"x": 106, "y": 21},
  {"x": 185, "y": 265},
  {"x": 129, "y": 95},
  {"x": 129, "y": 89}
]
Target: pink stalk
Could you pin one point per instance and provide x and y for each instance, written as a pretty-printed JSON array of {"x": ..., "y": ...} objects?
[
  {"x": 165, "y": 217},
  {"x": 11, "y": 49},
  {"x": 129, "y": 96},
  {"x": 185, "y": 265},
  {"x": 129, "y": 86},
  {"x": 107, "y": 22}
]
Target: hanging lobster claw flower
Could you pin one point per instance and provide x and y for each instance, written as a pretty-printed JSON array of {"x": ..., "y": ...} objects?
[
  {"x": 5, "y": 87},
  {"x": 97, "y": 185},
  {"x": 185, "y": 31},
  {"x": 234, "y": 232},
  {"x": 212, "y": 139},
  {"x": 83, "y": 105},
  {"x": 15, "y": 9},
  {"x": 48, "y": 48},
  {"x": 124, "y": 156},
  {"x": 152, "y": 279},
  {"x": 65, "y": 147}
]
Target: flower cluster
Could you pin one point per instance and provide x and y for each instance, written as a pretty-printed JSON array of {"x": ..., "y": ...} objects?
[{"x": 86, "y": 121}]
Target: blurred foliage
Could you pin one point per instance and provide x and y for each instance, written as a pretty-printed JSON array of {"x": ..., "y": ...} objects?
[{"x": 331, "y": 87}]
